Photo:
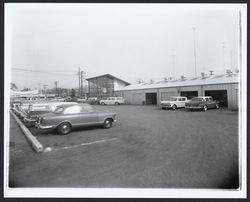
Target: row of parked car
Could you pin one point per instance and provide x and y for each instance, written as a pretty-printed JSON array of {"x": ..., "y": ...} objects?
[
  {"x": 201, "y": 103},
  {"x": 62, "y": 116}
]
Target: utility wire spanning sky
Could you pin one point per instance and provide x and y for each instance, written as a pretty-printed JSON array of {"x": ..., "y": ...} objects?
[{"x": 49, "y": 42}]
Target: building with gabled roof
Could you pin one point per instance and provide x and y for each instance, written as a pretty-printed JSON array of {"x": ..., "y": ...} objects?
[{"x": 104, "y": 86}]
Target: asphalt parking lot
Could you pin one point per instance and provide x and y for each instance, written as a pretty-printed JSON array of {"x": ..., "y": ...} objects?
[{"x": 146, "y": 148}]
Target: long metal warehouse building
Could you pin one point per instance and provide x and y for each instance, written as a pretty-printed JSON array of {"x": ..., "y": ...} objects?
[{"x": 224, "y": 88}]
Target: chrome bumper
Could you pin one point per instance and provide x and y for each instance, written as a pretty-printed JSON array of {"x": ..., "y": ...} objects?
[
  {"x": 28, "y": 120},
  {"x": 41, "y": 127}
]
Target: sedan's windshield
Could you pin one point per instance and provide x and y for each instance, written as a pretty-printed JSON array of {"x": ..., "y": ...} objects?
[{"x": 197, "y": 99}]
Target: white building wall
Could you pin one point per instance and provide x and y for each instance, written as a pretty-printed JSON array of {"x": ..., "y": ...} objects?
[{"x": 118, "y": 85}]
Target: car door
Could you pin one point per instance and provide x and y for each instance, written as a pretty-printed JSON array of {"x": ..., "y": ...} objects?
[
  {"x": 182, "y": 102},
  {"x": 209, "y": 103},
  {"x": 71, "y": 114},
  {"x": 88, "y": 116},
  {"x": 112, "y": 101},
  {"x": 178, "y": 102},
  {"x": 212, "y": 103},
  {"x": 107, "y": 101}
]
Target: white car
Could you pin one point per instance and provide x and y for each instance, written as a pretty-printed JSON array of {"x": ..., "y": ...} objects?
[
  {"x": 112, "y": 101},
  {"x": 174, "y": 103}
]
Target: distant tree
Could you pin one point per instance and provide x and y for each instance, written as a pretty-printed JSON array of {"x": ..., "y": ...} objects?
[
  {"x": 73, "y": 93},
  {"x": 165, "y": 80},
  {"x": 151, "y": 81},
  {"x": 13, "y": 86},
  {"x": 25, "y": 89}
]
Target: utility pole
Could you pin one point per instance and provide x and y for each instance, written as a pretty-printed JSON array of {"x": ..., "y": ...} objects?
[
  {"x": 195, "y": 68},
  {"x": 223, "y": 54},
  {"x": 56, "y": 82},
  {"x": 82, "y": 77},
  {"x": 231, "y": 58},
  {"x": 79, "y": 77},
  {"x": 45, "y": 92},
  {"x": 173, "y": 56}
]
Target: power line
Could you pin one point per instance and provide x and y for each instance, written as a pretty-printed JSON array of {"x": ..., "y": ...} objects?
[{"x": 39, "y": 71}]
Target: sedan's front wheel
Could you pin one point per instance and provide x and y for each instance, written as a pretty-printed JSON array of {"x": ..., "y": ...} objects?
[
  {"x": 64, "y": 128},
  {"x": 107, "y": 123},
  {"x": 174, "y": 107},
  {"x": 205, "y": 108}
]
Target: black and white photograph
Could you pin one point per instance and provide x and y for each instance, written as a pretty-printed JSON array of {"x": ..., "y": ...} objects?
[{"x": 125, "y": 100}]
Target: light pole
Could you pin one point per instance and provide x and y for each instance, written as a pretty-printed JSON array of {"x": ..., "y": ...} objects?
[
  {"x": 173, "y": 56},
  {"x": 56, "y": 82},
  {"x": 223, "y": 54},
  {"x": 45, "y": 91},
  {"x": 195, "y": 68}
]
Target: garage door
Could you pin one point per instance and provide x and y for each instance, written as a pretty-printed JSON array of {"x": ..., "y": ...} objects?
[
  {"x": 220, "y": 95},
  {"x": 151, "y": 98}
]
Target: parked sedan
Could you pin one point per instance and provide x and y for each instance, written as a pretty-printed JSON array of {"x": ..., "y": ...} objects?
[
  {"x": 113, "y": 101},
  {"x": 174, "y": 103},
  {"x": 92, "y": 101},
  {"x": 65, "y": 118},
  {"x": 203, "y": 103}
]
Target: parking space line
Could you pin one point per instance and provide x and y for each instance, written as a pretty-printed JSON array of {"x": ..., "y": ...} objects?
[{"x": 48, "y": 149}]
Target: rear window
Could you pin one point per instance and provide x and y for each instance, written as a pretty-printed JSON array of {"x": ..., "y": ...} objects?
[{"x": 73, "y": 110}]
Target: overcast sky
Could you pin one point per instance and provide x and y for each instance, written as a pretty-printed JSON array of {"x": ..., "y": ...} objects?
[{"x": 130, "y": 41}]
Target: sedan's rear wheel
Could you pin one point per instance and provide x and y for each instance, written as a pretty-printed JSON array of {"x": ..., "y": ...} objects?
[
  {"x": 174, "y": 107},
  {"x": 107, "y": 123},
  {"x": 117, "y": 103},
  {"x": 102, "y": 103},
  {"x": 205, "y": 108},
  {"x": 64, "y": 128}
]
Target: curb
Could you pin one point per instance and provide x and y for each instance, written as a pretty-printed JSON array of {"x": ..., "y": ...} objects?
[{"x": 34, "y": 142}]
